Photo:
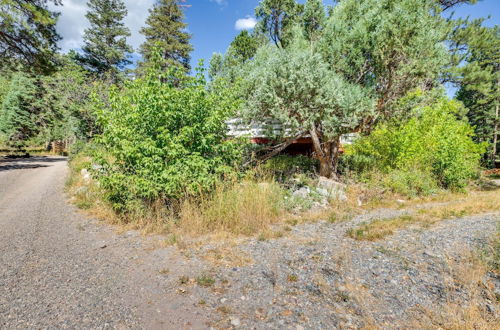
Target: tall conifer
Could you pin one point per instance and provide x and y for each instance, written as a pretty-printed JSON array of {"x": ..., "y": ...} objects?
[
  {"x": 106, "y": 49},
  {"x": 165, "y": 29}
]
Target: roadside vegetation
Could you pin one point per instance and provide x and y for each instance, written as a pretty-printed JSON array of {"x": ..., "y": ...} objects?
[{"x": 152, "y": 152}]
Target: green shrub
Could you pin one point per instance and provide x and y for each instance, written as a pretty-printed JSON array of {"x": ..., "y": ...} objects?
[
  {"x": 411, "y": 182},
  {"x": 283, "y": 167},
  {"x": 433, "y": 143},
  {"x": 164, "y": 137}
]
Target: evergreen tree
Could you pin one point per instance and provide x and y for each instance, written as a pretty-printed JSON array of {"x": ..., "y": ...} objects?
[
  {"x": 19, "y": 110},
  {"x": 277, "y": 18},
  {"x": 106, "y": 49},
  {"x": 244, "y": 46},
  {"x": 216, "y": 65},
  {"x": 479, "y": 81},
  {"x": 314, "y": 18},
  {"x": 166, "y": 30},
  {"x": 27, "y": 34}
]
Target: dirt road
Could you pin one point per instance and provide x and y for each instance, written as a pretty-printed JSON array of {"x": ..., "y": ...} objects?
[{"x": 60, "y": 270}]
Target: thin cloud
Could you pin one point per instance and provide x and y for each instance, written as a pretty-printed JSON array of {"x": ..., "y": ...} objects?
[
  {"x": 219, "y": 2},
  {"x": 247, "y": 23}
]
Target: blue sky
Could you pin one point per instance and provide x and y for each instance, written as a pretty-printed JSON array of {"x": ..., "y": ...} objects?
[
  {"x": 211, "y": 22},
  {"x": 213, "y": 25}
]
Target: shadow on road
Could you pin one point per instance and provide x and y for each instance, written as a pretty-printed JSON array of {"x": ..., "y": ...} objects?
[{"x": 7, "y": 164}]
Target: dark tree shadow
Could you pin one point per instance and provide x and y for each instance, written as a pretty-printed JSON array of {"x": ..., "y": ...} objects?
[{"x": 8, "y": 164}]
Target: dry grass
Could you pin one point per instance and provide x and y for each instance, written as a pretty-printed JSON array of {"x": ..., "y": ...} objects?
[
  {"x": 469, "y": 276},
  {"x": 246, "y": 208},
  {"x": 474, "y": 203}
]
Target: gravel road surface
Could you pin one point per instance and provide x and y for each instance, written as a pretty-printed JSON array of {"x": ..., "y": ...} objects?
[{"x": 60, "y": 270}]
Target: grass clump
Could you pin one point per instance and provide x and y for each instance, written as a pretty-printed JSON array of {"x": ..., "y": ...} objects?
[
  {"x": 244, "y": 208},
  {"x": 205, "y": 281}
]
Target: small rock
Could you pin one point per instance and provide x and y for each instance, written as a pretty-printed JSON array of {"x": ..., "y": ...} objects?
[
  {"x": 235, "y": 322},
  {"x": 223, "y": 300},
  {"x": 334, "y": 189},
  {"x": 85, "y": 174},
  {"x": 490, "y": 308},
  {"x": 303, "y": 192}
]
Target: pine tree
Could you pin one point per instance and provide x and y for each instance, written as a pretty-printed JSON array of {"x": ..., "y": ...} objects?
[
  {"x": 480, "y": 82},
  {"x": 165, "y": 31},
  {"x": 314, "y": 18},
  {"x": 106, "y": 49},
  {"x": 27, "y": 34},
  {"x": 19, "y": 110},
  {"x": 277, "y": 18},
  {"x": 243, "y": 47}
]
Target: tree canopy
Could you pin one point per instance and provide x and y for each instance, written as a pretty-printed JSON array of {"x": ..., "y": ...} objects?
[
  {"x": 106, "y": 50},
  {"x": 165, "y": 30},
  {"x": 27, "y": 33},
  {"x": 479, "y": 81}
]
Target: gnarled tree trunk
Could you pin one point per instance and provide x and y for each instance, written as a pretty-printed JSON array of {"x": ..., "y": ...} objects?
[{"x": 327, "y": 153}]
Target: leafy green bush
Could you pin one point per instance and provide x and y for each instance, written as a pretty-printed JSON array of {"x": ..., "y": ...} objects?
[
  {"x": 165, "y": 138},
  {"x": 432, "y": 143},
  {"x": 411, "y": 182}
]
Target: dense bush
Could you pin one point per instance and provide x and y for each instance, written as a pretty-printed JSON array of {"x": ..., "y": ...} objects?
[
  {"x": 434, "y": 141},
  {"x": 165, "y": 138}
]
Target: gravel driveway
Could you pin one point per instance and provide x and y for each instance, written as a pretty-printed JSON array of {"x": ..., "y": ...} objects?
[{"x": 59, "y": 269}]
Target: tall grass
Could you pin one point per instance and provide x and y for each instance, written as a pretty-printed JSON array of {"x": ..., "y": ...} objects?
[{"x": 243, "y": 208}]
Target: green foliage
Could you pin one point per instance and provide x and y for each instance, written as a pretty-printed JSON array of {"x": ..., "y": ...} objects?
[
  {"x": 165, "y": 29},
  {"x": 410, "y": 182},
  {"x": 284, "y": 167},
  {"x": 243, "y": 47},
  {"x": 277, "y": 17},
  {"x": 434, "y": 141},
  {"x": 106, "y": 49},
  {"x": 165, "y": 138},
  {"x": 314, "y": 19},
  {"x": 66, "y": 111},
  {"x": 296, "y": 87},
  {"x": 387, "y": 46},
  {"x": 479, "y": 78},
  {"x": 19, "y": 110},
  {"x": 27, "y": 34}
]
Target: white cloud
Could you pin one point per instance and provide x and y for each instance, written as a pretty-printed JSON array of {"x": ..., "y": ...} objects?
[
  {"x": 219, "y": 2},
  {"x": 247, "y": 23},
  {"x": 72, "y": 22}
]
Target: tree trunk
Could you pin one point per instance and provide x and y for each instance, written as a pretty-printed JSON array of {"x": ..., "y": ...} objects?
[
  {"x": 327, "y": 153},
  {"x": 495, "y": 137}
]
